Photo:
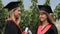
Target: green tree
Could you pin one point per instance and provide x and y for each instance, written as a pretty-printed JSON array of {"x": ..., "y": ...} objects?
[
  {"x": 47, "y": 2},
  {"x": 57, "y": 12},
  {"x": 1, "y": 4},
  {"x": 3, "y": 16},
  {"x": 34, "y": 16}
]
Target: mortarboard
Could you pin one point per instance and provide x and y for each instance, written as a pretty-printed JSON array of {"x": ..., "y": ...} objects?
[
  {"x": 12, "y": 5},
  {"x": 45, "y": 8}
]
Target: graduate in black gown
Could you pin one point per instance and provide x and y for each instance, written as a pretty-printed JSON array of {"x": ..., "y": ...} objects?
[
  {"x": 12, "y": 23},
  {"x": 46, "y": 26}
]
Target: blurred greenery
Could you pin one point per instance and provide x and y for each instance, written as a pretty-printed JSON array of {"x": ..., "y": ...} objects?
[
  {"x": 3, "y": 16},
  {"x": 29, "y": 18},
  {"x": 57, "y": 12}
]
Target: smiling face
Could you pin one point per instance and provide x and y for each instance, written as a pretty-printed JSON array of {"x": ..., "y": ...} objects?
[
  {"x": 17, "y": 12},
  {"x": 42, "y": 15}
]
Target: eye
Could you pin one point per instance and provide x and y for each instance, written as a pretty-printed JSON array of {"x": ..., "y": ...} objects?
[{"x": 19, "y": 10}]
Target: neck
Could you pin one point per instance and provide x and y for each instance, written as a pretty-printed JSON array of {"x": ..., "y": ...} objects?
[{"x": 45, "y": 22}]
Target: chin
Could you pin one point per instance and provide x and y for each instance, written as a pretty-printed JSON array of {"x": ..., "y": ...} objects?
[
  {"x": 17, "y": 17},
  {"x": 41, "y": 20}
]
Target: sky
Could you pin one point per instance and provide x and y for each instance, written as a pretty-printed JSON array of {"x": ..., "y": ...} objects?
[{"x": 27, "y": 3}]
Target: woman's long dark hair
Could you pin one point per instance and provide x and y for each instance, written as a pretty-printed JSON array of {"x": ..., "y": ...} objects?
[{"x": 49, "y": 21}]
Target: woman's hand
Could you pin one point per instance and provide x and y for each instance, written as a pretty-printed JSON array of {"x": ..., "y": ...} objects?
[{"x": 24, "y": 32}]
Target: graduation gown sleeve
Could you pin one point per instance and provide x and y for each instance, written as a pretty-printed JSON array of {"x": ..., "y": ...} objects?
[{"x": 11, "y": 28}]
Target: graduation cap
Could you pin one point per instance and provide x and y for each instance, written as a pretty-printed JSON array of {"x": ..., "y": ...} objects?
[
  {"x": 12, "y": 5},
  {"x": 45, "y": 8}
]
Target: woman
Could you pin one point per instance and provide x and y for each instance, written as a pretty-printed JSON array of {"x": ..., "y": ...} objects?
[
  {"x": 46, "y": 26},
  {"x": 12, "y": 26}
]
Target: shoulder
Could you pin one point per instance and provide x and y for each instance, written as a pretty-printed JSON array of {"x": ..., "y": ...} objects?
[
  {"x": 54, "y": 28},
  {"x": 9, "y": 23}
]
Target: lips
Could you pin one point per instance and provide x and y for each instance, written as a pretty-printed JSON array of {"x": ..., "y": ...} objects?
[{"x": 41, "y": 18}]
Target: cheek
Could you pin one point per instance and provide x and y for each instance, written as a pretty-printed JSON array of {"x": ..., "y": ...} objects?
[
  {"x": 42, "y": 17},
  {"x": 16, "y": 13},
  {"x": 45, "y": 16}
]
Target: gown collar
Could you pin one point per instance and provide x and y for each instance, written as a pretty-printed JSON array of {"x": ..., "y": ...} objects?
[{"x": 40, "y": 31}]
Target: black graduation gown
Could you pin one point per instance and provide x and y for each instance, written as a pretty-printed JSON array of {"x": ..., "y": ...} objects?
[
  {"x": 52, "y": 30},
  {"x": 12, "y": 28}
]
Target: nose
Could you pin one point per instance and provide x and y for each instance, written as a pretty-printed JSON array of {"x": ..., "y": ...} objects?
[{"x": 19, "y": 13}]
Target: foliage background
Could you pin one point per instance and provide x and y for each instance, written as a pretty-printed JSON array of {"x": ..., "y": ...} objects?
[{"x": 29, "y": 18}]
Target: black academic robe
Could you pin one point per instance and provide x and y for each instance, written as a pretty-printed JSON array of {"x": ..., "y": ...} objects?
[
  {"x": 51, "y": 30},
  {"x": 12, "y": 28}
]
